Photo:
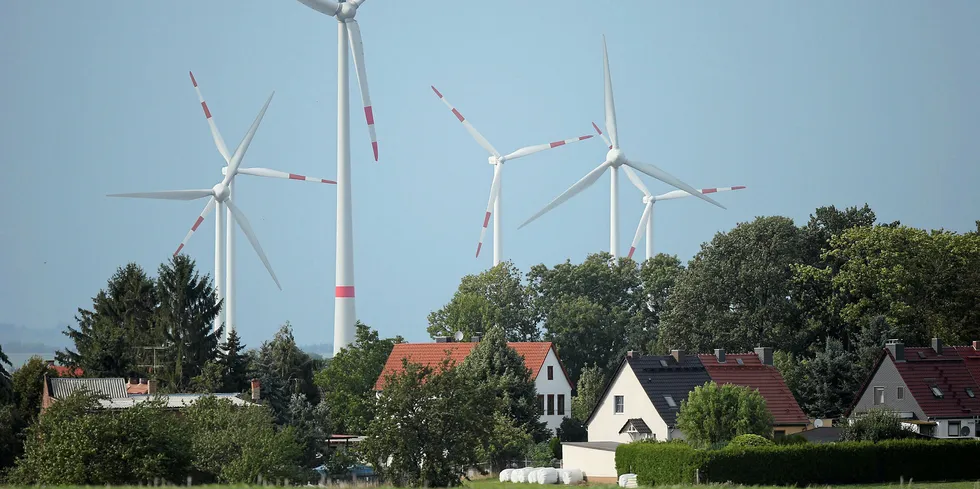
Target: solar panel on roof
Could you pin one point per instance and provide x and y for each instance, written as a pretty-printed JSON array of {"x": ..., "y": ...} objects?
[
  {"x": 663, "y": 362},
  {"x": 739, "y": 360}
]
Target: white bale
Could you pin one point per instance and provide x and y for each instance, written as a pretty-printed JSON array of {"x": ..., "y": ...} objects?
[
  {"x": 547, "y": 476},
  {"x": 505, "y": 475},
  {"x": 519, "y": 476},
  {"x": 570, "y": 476},
  {"x": 627, "y": 480},
  {"x": 532, "y": 476}
]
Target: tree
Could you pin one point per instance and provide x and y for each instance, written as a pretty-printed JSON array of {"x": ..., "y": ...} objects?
[
  {"x": 829, "y": 382},
  {"x": 713, "y": 413},
  {"x": 658, "y": 274},
  {"x": 11, "y": 443},
  {"x": 737, "y": 292},
  {"x": 494, "y": 366},
  {"x": 590, "y": 386},
  {"x": 495, "y": 297},
  {"x": 28, "y": 381},
  {"x": 876, "y": 425},
  {"x": 572, "y": 429},
  {"x": 234, "y": 364},
  {"x": 188, "y": 307},
  {"x": 121, "y": 320},
  {"x": 347, "y": 383},
  {"x": 283, "y": 369},
  {"x": 6, "y": 387},
  {"x": 429, "y": 426},
  {"x": 312, "y": 428}
]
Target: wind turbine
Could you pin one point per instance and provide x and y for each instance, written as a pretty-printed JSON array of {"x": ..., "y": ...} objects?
[
  {"x": 220, "y": 193},
  {"x": 497, "y": 162},
  {"x": 347, "y": 29},
  {"x": 224, "y": 236},
  {"x": 615, "y": 158}
]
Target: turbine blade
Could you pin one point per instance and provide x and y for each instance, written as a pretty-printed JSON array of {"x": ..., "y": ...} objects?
[
  {"x": 669, "y": 179},
  {"x": 579, "y": 186},
  {"x": 636, "y": 180},
  {"x": 541, "y": 147},
  {"x": 357, "y": 49},
  {"x": 494, "y": 192},
  {"x": 207, "y": 210},
  {"x": 641, "y": 228},
  {"x": 610, "y": 104},
  {"x": 168, "y": 195},
  {"x": 469, "y": 127},
  {"x": 218, "y": 140},
  {"x": 355, "y": 3},
  {"x": 236, "y": 159},
  {"x": 250, "y": 234},
  {"x": 328, "y": 7},
  {"x": 677, "y": 194},
  {"x": 266, "y": 172},
  {"x": 601, "y": 135}
]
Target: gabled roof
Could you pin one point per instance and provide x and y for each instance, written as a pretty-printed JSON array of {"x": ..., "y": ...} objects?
[
  {"x": 638, "y": 424},
  {"x": 923, "y": 369},
  {"x": 766, "y": 379},
  {"x": 109, "y": 387},
  {"x": 432, "y": 354},
  {"x": 971, "y": 356},
  {"x": 63, "y": 371}
]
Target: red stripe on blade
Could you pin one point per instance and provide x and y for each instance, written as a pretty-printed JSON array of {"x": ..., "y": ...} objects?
[
  {"x": 293, "y": 176},
  {"x": 708, "y": 190},
  {"x": 478, "y": 246},
  {"x": 630, "y": 255},
  {"x": 458, "y": 115},
  {"x": 324, "y": 180},
  {"x": 178, "y": 249},
  {"x": 740, "y": 187},
  {"x": 192, "y": 78},
  {"x": 369, "y": 114},
  {"x": 207, "y": 113},
  {"x": 374, "y": 146},
  {"x": 344, "y": 291},
  {"x": 197, "y": 223},
  {"x": 434, "y": 90},
  {"x": 557, "y": 143},
  {"x": 581, "y": 138},
  {"x": 486, "y": 219},
  {"x": 596, "y": 128}
]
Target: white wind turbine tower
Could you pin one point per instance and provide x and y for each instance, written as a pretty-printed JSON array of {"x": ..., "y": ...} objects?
[
  {"x": 220, "y": 194},
  {"x": 347, "y": 30},
  {"x": 615, "y": 158},
  {"x": 224, "y": 236},
  {"x": 497, "y": 161}
]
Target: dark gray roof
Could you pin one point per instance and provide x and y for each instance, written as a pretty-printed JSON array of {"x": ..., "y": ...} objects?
[
  {"x": 609, "y": 446},
  {"x": 674, "y": 380},
  {"x": 638, "y": 424},
  {"x": 827, "y": 434},
  {"x": 110, "y": 387}
]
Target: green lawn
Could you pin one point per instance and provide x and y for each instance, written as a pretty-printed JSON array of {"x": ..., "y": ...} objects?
[{"x": 492, "y": 484}]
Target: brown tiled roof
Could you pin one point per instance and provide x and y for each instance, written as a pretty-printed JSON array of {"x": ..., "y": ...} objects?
[
  {"x": 764, "y": 378},
  {"x": 923, "y": 368},
  {"x": 432, "y": 354},
  {"x": 63, "y": 371},
  {"x": 971, "y": 356}
]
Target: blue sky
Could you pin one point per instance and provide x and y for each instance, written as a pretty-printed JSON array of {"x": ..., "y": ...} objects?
[{"x": 806, "y": 103}]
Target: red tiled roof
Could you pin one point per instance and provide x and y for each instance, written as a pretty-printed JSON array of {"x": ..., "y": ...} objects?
[
  {"x": 432, "y": 354},
  {"x": 137, "y": 388},
  {"x": 949, "y": 372},
  {"x": 971, "y": 356},
  {"x": 66, "y": 371},
  {"x": 763, "y": 378}
]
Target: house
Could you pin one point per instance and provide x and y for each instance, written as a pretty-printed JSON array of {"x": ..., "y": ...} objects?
[
  {"x": 550, "y": 378},
  {"x": 934, "y": 390},
  {"x": 756, "y": 371},
  {"x": 644, "y": 397},
  {"x": 115, "y": 393}
]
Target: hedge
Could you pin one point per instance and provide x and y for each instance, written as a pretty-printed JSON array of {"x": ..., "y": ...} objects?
[{"x": 802, "y": 465}]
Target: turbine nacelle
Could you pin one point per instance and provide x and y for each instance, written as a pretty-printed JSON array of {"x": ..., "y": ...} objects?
[
  {"x": 347, "y": 11},
  {"x": 648, "y": 199},
  {"x": 496, "y": 160},
  {"x": 220, "y": 192},
  {"x": 616, "y": 157}
]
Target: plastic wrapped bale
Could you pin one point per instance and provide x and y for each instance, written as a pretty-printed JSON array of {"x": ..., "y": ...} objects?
[
  {"x": 532, "y": 475},
  {"x": 570, "y": 476},
  {"x": 519, "y": 476},
  {"x": 627, "y": 480},
  {"x": 505, "y": 475},
  {"x": 547, "y": 475}
]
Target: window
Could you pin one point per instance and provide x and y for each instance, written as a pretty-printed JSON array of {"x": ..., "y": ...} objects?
[
  {"x": 900, "y": 393},
  {"x": 879, "y": 396},
  {"x": 969, "y": 392},
  {"x": 953, "y": 428},
  {"x": 936, "y": 391},
  {"x": 540, "y": 404},
  {"x": 551, "y": 404},
  {"x": 670, "y": 401},
  {"x": 561, "y": 404},
  {"x": 551, "y": 372},
  {"x": 618, "y": 405}
]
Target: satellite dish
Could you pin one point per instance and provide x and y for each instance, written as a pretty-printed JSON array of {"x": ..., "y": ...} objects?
[
  {"x": 818, "y": 423},
  {"x": 458, "y": 336}
]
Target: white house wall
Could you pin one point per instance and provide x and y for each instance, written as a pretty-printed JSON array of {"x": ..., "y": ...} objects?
[
  {"x": 559, "y": 385},
  {"x": 605, "y": 424},
  {"x": 888, "y": 376}
]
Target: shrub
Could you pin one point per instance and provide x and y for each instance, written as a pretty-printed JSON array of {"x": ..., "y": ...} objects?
[
  {"x": 796, "y": 439},
  {"x": 555, "y": 444},
  {"x": 715, "y": 413},
  {"x": 876, "y": 425},
  {"x": 749, "y": 440},
  {"x": 802, "y": 464}
]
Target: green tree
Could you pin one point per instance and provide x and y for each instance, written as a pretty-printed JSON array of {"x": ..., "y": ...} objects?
[
  {"x": 6, "y": 387},
  {"x": 430, "y": 422},
  {"x": 11, "y": 443},
  {"x": 121, "y": 320},
  {"x": 793, "y": 371},
  {"x": 312, "y": 426},
  {"x": 876, "y": 425},
  {"x": 28, "y": 381},
  {"x": 590, "y": 386},
  {"x": 829, "y": 381},
  {"x": 347, "y": 382},
  {"x": 234, "y": 364},
  {"x": 283, "y": 370},
  {"x": 737, "y": 292},
  {"x": 238, "y": 444},
  {"x": 188, "y": 307},
  {"x": 713, "y": 413},
  {"x": 495, "y": 297},
  {"x": 210, "y": 380},
  {"x": 658, "y": 274}
]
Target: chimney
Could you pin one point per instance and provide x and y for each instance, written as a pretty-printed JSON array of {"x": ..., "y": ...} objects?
[
  {"x": 476, "y": 337},
  {"x": 256, "y": 390},
  {"x": 442, "y": 339},
  {"x": 720, "y": 355},
  {"x": 151, "y": 386},
  {"x": 897, "y": 349},
  {"x": 50, "y": 363},
  {"x": 677, "y": 354},
  {"x": 976, "y": 345},
  {"x": 937, "y": 346},
  {"x": 631, "y": 354},
  {"x": 765, "y": 354}
]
